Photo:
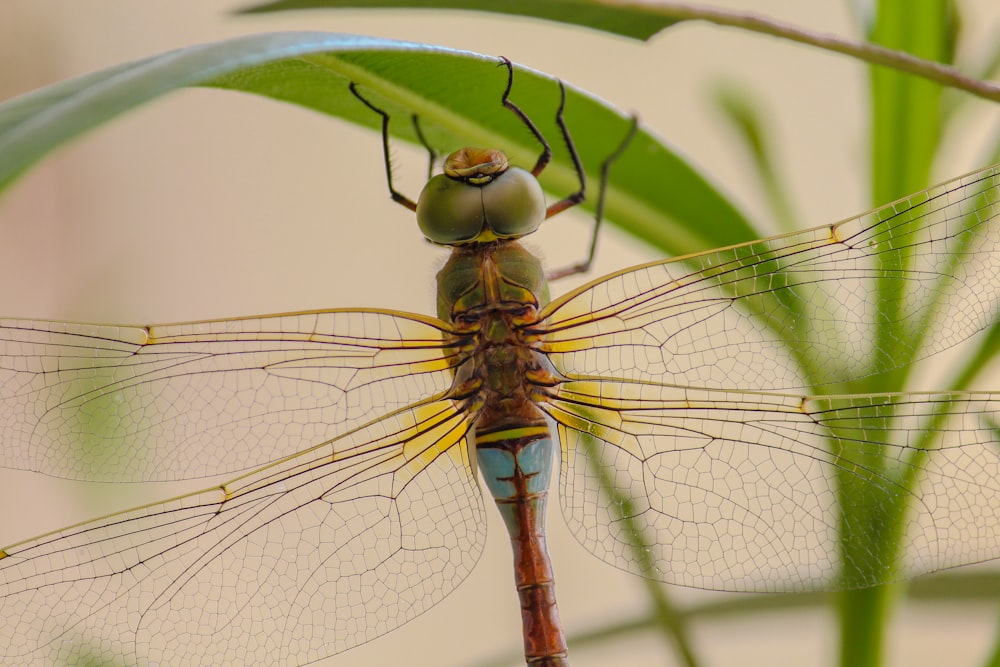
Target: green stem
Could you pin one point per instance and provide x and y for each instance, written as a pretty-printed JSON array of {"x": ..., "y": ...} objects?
[
  {"x": 994, "y": 658},
  {"x": 670, "y": 621},
  {"x": 871, "y": 53},
  {"x": 862, "y": 615}
]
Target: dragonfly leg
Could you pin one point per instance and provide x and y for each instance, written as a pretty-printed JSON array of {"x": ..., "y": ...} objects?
[
  {"x": 584, "y": 266},
  {"x": 397, "y": 197},
  {"x": 581, "y": 194},
  {"x": 546, "y": 156},
  {"x": 431, "y": 153}
]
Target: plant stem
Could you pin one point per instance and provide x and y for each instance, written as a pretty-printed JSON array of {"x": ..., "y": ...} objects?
[{"x": 870, "y": 53}]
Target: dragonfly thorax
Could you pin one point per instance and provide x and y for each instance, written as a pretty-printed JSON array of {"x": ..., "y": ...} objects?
[
  {"x": 479, "y": 198},
  {"x": 482, "y": 277},
  {"x": 491, "y": 293}
]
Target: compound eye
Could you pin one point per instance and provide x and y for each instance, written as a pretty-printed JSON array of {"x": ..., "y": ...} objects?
[
  {"x": 450, "y": 212},
  {"x": 479, "y": 197},
  {"x": 514, "y": 204}
]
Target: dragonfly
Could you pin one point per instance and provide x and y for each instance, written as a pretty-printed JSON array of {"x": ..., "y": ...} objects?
[{"x": 691, "y": 404}]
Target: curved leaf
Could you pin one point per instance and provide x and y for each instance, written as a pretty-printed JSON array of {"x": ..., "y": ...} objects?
[
  {"x": 455, "y": 94},
  {"x": 636, "y": 21},
  {"x": 642, "y": 20}
]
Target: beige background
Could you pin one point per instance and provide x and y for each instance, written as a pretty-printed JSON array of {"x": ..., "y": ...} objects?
[{"x": 212, "y": 204}]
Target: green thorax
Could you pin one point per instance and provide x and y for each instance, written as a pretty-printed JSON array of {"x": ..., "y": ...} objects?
[{"x": 489, "y": 275}]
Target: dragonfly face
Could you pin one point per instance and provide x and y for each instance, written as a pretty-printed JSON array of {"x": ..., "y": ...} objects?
[
  {"x": 479, "y": 198},
  {"x": 678, "y": 393}
]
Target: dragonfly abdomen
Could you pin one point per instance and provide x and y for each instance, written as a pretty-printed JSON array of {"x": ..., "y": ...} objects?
[{"x": 517, "y": 466}]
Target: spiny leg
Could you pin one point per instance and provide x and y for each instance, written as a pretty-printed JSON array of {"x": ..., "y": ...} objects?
[
  {"x": 397, "y": 197},
  {"x": 602, "y": 192},
  {"x": 581, "y": 194},
  {"x": 543, "y": 160},
  {"x": 432, "y": 154},
  {"x": 546, "y": 155}
]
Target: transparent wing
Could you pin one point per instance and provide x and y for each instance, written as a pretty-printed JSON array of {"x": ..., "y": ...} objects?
[
  {"x": 800, "y": 310},
  {"x": 298, "y": 560},
  {"x": 112, "y": 403},
  {"x": 737, "y": 491}
]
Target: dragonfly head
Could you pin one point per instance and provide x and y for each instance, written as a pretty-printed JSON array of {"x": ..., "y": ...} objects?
[
  {"x": 475, "y": 166},
  {"x": 479, "y": 198}
]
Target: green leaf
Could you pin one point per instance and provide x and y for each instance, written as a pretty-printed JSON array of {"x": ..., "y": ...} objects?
[
  {"x": 636, "y": 21},
  {"x": 456, "y": 95},
  {"x": 36, "y": 123},
  {"x": 750, "y": 124},
  {"x": 905, "y": 132},
  {"x": 906, "y": 110},
  {"x": 642, "y": 20}
]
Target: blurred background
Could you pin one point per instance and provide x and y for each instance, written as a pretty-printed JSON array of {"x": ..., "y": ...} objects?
[{"x": 208, "y": 204}]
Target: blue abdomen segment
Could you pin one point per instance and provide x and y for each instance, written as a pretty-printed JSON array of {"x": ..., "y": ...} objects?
[
  {"x": 513, "y": 455},
  {"x": 517, "y": 466}
]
